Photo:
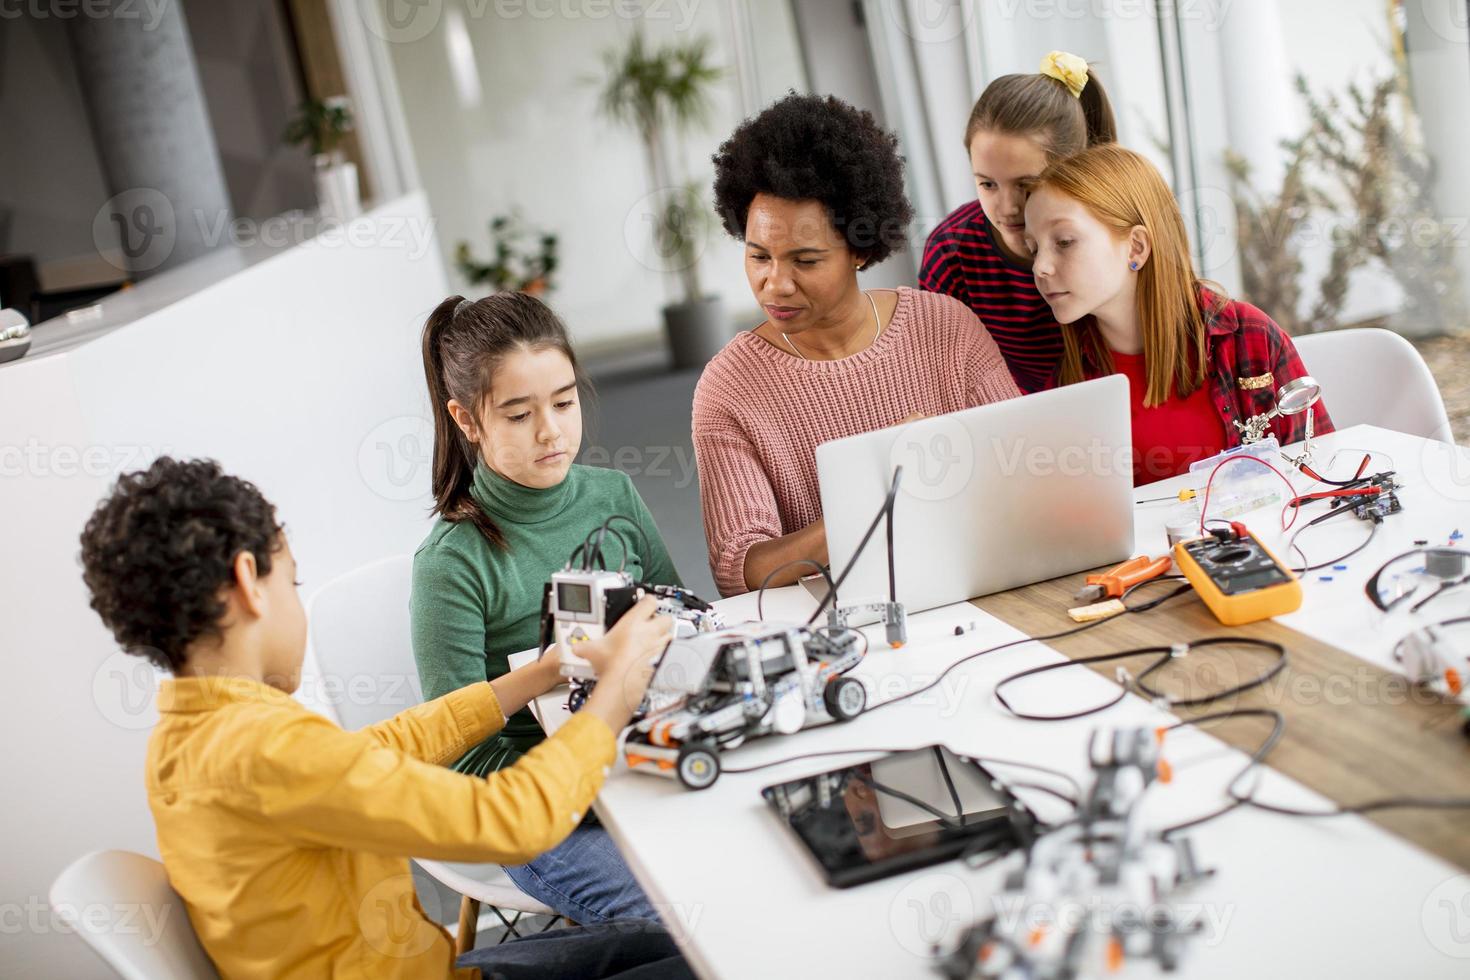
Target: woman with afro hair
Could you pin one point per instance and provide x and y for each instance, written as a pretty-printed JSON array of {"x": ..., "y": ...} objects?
[{"x": 814, "y": 188}]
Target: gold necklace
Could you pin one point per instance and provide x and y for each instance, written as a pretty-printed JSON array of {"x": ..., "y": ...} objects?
[{"x": 877, "y": 329}]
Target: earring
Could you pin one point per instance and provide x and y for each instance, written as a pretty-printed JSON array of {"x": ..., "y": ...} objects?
[{"x": 1133, "y": 266}]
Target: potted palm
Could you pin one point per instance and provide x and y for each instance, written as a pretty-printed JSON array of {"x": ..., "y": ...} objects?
[
  {"x": 320, "y": 125},
  {"x": 661, "y": 92}
]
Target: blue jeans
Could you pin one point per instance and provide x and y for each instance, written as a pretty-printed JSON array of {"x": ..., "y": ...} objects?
[
  {"x": 625, "y": 949},
  {"x": 585, "y": 879}
]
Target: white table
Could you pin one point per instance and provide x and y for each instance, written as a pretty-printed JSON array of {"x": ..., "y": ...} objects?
[{"x": 1291, "y": 897}]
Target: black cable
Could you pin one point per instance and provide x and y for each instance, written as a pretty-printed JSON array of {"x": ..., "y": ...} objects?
[
  {"x": 1241, "y": 688},
  {"x": 1145, "y": 607},
  {"x": 954, "y": 794},
  {"x": 1238, "y": 799},
  {"x": 888, "y": 524},
  {"x": 1278, "y": 726},
  {"x": 1307, "y": 566},
  {"x": 1375, "y": 597},
  {"x": 1163, "y": 656},
  {"x": 760, "y": 593},
  {"x": 642, "y": 535},
  {"x": 885, "y": 511}
]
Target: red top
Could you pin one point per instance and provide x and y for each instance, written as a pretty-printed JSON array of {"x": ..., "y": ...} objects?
[
  {"x": 1168, "y": 437},
  {"x": 962, "y": 259},
  {"x": 1249, "y": 357}
]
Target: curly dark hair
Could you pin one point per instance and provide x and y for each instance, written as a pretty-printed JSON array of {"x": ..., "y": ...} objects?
[
  {"x": 156, "y": 553},
  {"x": 814, "y": 147}
]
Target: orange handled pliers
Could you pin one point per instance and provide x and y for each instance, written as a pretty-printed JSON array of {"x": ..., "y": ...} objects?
[{"x": 1113, "y": 584}]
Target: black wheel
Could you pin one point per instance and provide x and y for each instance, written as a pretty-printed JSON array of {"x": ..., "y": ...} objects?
[
  {"x": 845, "y": 698},
  {"x": 699, "y": 765},
  {"x": 578, "y": 695}
]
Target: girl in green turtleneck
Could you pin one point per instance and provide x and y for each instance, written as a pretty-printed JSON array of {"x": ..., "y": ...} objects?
[{"x": 512, "y": 506}]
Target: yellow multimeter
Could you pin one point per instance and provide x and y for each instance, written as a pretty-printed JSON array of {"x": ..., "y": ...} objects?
[{"x": 1237, "y": 576}]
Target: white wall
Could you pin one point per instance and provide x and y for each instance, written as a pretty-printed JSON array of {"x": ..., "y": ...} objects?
[
  {"x": 529, "y": 137},
  {"x": 297, "y": 374}
]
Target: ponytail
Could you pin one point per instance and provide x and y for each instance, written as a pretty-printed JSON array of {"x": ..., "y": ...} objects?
[
  {"x": 1097, "y": 110},
  {"x": 463, "y": 343},
  {"x": 1042, "y": 107}
]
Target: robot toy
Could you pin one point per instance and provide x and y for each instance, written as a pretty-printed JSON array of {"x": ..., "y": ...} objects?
[
  {"x": 714, "y": 691},
  {"x": 1119, "y": 878}
]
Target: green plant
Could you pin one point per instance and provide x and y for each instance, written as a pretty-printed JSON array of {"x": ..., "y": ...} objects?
[
  {"x": 320, "y": 125},
  {"x": 1374, "y": 185},
  {"x": 511, "y": 267},
  {"x": 1368, "y": 147},
  {"x": 1266, "y": 227},
  {"x": 662, "y": 91}
]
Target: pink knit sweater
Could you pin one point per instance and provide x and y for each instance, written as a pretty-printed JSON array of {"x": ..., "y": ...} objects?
[{"x": 760, "y": 413}]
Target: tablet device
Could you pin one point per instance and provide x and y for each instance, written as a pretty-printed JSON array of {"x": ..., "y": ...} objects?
[{"x": 896, "y": 813}]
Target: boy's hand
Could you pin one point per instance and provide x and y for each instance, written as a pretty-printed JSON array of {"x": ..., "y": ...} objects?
[{"x": 623, "y": 660}]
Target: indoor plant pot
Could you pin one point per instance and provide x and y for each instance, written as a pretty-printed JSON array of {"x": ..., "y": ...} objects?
[{"x": 697, "y": 330}]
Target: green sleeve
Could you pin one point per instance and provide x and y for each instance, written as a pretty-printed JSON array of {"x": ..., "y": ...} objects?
[
  {"x": 448, "y": 621},
  {"x": 658, "y": 567}
]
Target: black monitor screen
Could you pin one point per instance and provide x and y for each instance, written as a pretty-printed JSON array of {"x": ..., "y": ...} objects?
[{"x": 574, "y": 598}]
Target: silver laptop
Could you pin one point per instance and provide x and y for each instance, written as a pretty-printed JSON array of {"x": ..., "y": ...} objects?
[{"x": 991, "y": 498}]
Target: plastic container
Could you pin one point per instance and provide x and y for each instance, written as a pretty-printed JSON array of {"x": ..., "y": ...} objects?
[{"x": 1240, "y": 487}]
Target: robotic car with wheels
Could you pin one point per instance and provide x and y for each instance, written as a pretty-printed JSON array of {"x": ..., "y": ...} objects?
[{"x": 714, "y": 691}]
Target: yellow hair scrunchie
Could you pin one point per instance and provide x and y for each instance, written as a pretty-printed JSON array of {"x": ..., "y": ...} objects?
[{"x": 1068, "y": 69}]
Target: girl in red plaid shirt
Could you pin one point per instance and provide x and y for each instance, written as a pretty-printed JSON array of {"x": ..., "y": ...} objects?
[{"x": 1111, "y": 259}]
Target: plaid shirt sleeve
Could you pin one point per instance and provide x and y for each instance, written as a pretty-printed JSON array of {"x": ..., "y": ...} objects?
[{"x": 1253, "y": 358}]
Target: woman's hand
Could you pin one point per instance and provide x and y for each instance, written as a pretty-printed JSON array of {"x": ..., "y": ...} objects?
[
  {"x": 765, "y": 557},
  {"x": 623, "y": 660}
]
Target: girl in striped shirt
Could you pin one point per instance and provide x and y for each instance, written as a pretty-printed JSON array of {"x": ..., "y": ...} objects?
[{"x": 1020, "y": 125}]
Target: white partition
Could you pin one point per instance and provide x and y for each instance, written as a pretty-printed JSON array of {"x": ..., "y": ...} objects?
[{"x": 300, "y": 370}]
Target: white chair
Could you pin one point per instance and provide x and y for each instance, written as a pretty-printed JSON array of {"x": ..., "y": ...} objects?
[
  {"x": 1374, "y": 376},
  {"x": 154, "y": 940},
  {"x": 361, "y": 638}
]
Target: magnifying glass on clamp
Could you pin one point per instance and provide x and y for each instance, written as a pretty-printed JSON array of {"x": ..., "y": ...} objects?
[{"x": 1292, "y": 398}]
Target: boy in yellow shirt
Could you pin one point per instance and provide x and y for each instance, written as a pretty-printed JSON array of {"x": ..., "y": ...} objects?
[{"x": 289, "y": 838}]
